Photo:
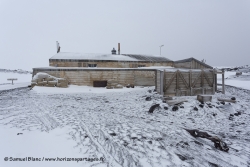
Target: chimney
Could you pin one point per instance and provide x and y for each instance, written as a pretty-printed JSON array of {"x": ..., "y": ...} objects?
[
  {"x": 118, "y": 48},
  {"x": 57, "y": 47},
  {"x": 113, "y": 51}
]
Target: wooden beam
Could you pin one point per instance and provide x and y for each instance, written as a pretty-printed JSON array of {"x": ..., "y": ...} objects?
[
  {"x": 190, "y": 81},
  {"x": 227, "y": 100},
  {"x": 209, "y": 83},
  {"x": 170, "y": 81},
  {"x": 164, "y": 81},
  {"x": 177, "y": 82},
  {"x": 214, "y": 75},
  {"x": 183, "y": 79},
  {"x": 223, "y": 82},
  {"x": 196, "y": 79},
  {"x": 202, "y": 78}
]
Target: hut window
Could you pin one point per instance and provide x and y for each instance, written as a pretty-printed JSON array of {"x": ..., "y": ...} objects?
[
  {"x": 92, "y": 65},
  {"x": 141, "y": 65},
  {"x": 134, "y": 65},
  {"x": 79, "y": 64}
]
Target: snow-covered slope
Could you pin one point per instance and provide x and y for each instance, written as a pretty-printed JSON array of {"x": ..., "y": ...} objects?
[
  {"x": 242, "y": 81},
  {"x": 117, "y": 127},
  {"x": 23, "y": 79}
]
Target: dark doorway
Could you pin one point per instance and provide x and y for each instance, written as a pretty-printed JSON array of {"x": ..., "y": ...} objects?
[{"x": 99, "y": 83}]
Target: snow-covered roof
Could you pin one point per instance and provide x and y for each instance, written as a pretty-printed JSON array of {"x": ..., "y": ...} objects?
[
  {"x": 96, "y": 56},
  {"x": 190, "y": 59}
]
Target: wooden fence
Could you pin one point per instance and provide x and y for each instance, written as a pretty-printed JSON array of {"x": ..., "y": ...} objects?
[{"x": 177, "y": 82}]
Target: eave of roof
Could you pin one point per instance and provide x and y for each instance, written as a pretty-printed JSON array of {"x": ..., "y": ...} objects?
[
  {"x": 190, "y": 59},
  {"x": 67, "y": 56}
]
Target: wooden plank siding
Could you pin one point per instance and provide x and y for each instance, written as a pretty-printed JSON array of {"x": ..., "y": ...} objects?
[
  {"x": 186, "y": 83},
  {"x": 106, "y": 64},
  {"x": 191, "y": 63},
  {"x": 123, "y": 77}
]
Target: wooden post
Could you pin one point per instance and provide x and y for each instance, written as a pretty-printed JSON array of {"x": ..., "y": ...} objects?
[
  {"x": 155, "y": 80},
  {"x": 177, "y": 82},
  {"x": 202, "y": 81},
  {"x": 190, "y": 81},
  {"x": 164, "y": 82},
  {"x": 214, "y": 75},
  {"x": 223, "y": 81},
  {"x": 161, "y": 82},
  {"x": 11, "y": 79},
  {"x": 215, "y": 80}
]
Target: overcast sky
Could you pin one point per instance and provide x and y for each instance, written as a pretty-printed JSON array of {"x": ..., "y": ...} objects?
[{"x": 215, "y": 30}]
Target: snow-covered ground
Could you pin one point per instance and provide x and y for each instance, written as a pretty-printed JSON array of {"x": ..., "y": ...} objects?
[
  {"x": 113, "y": 128},
  {"x": 241, "y": 81},
  {"x": 23, "y": 79}
]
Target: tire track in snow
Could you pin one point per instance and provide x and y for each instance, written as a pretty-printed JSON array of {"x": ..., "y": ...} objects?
[{"x": 111, "y": 160}]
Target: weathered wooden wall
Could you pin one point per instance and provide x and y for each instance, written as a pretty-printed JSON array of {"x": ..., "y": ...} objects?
[
  {"x": 183, "y": 65},
  {"x": 86, "y": 77},
  {"x": 191, "y": 64},
  {"x": 106, "y": 64},
  {"x": 186, "y": 83}
]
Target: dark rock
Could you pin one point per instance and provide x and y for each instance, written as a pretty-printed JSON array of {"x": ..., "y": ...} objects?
[
  {"x": 153, "y": 107},
  {"x": 132, "y": 86},
  {"x": 212, "y": 164},
  {"x": 154, "y": 90},
  {"x": 181, "y": 157},
  {"x": 222, "y": 102},
  {"x": 148, "y": 98},
  {"x": 113, "y": 134},
  {"x": 162, "y": 147},
  {"x": 201, "y": 105},
  {"x": 233, "y": 98},
  {"x": 149, "y": 91},
  {"x": 210, "y": 106},
  {"x": 195, "y": 108},
  {"x": 159, "y": 139},
  {"x": 163, "y": 101},
  {"x": 214, "y": 114},
  {"x": 19, "y": 133},
  {"x": 231, "y": 115},
  {"x": 236, "y": 114},
  {"x": 181, "y": 106},
  {"x": 239, "y": 113},
  {"x": 175, "y": 108},
  {"x": 150, "y": 142},
  {"x": 166, "y": 108},
  {"x": 198, "y": 143},
  {"x": 202, "y": 102}
]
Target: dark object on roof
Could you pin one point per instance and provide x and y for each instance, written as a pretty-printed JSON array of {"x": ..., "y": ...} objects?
[
  {"x": 113, "y": 51},
  {"x": 191, "y": 63},
  {"x": 148, "y": 58}
]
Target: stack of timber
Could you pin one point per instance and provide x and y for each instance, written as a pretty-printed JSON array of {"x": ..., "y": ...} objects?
[
  {"x": 63, "y": 83},
  {"x": 112, "y": 84},
  {"x": 43, "y": 79}
]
